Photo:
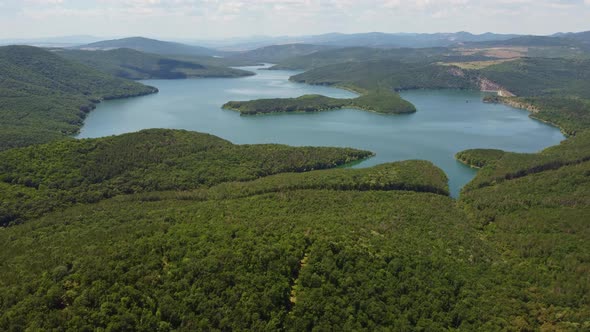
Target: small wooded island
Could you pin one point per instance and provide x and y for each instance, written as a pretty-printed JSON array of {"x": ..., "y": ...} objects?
[{"x": 375, "y": 101}]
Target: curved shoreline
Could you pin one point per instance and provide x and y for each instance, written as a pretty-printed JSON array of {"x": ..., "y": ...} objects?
[
  {"x": 475, "y": 97},
  {"x": 93, "y": 104},
  {"x": 382, "y": 101},
  {"x": 532, "y": 109},
  {"x": 464, "y": 162}
]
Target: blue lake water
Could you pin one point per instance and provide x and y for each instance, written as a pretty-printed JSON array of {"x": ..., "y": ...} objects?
[{"x": 447, "y": 121}]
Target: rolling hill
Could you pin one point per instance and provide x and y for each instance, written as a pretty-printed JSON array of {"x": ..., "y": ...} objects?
[
  {"x": 132, "y": 64},
  {"x": 363, "y": 54},
  {"x": 385, "y": 74},
  {"x": 410, "y": 40},
  {"x": 277, "y": 53},
  {"x": 370, "y": 39},
  {"x": 558, "y": 45},
  {"x": 44, "y": 97},
  {"x": 150, "y": 46},
  {"x": 528, "y": 41},
  {"x": 170, "y": 230},
  {"x": 572, "y": 39},
  {"x": 334, "y": 249},
  {"x": 583, "y": 37},
  {"x": 86, "y": 171},
  {"x": 543, "y": 77}
]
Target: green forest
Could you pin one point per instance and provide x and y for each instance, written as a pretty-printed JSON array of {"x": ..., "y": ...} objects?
[
  {"x": 172, "y": 230},
  {"x": 40, "y": 178},
  {"x": 44, "y": 97},
  {"x": 46, "y": 94},
  {"x": 136, "y": 65},
  {"x": 376, "y": 81},
  {"x": 387, "y": 74},
  {"x": 323, "y": 58},
  {"x": 237, "y": 247}
]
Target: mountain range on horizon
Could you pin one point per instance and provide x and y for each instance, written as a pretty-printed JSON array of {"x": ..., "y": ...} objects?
[{"x": 212, "y": 47}]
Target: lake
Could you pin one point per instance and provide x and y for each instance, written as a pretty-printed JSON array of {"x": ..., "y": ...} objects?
[{"x": 447, "y": 121}]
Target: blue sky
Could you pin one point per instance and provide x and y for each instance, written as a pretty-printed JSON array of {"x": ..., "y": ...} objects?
[{"x": 210, "y": 19}]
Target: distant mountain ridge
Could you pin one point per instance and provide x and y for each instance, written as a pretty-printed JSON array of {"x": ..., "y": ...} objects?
[
  {"x": 407, "y": 40},
  {"x": 148, "y": 45},
  {"x": 244, "y": 44},
  {"x": 136, "y": 65},
  {"x": 380, "y": 39},
  {"x": 64, "y": 41},
  {"x": 580, "y": 39},
  {"x": 277, "y": 53},
  {"x": 369, "y": 39}
]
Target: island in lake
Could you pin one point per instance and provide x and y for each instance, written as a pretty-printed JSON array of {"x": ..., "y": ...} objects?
[{"x": 375, "y": 101}]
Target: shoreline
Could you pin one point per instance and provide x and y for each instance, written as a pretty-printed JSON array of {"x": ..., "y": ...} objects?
[
  {"x": 315, "y": 111},
  {"x": 533, "y": 110},
  {"x": 343, "y": 107},
  {"x": 359, "y": 92},
  {"x": 352, "y": 107},
  {"x": 94, "y": 103},
  {"x": 466, "y": 163}
]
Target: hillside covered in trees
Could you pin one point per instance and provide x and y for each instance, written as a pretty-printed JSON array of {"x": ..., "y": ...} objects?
[
  {"x": 335, "y": 56},
  {"x": 136, "y": 65},
  {"x": 168, "y": 240},
  {"x": 572, "y": 47},
  {"x": 376, "y": 81},
  {"x": 276, "y": 53},
  {"x": 44, "y": 97},
  {"x": 41, "y": 178},
  {"x": 554, "y": 90},
  {"x": 167, "y": 230},
  {"x": 149, "y": 45},
  {"x": 387, "y": 74}
]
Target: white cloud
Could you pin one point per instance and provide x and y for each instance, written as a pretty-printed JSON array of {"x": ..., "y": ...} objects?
[
  {"x": 45, "y": 2},
  {"x": 207, "y": 18}
]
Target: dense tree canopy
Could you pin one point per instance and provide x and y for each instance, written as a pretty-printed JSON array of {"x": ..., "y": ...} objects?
[
  {"x": 136, "y": 65},
  {"x": 375, "y": 101},
  {"x": 166, "y": 230},
  {"x": 44, "y": 97},
  {"x": 38, "y": 179}
]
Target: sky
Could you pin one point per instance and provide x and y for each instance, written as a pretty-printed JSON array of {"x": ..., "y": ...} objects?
[{"x": 219, "y": 19}]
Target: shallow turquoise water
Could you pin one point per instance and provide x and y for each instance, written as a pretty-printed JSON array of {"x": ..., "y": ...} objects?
[{"x": 447, "y": 121}]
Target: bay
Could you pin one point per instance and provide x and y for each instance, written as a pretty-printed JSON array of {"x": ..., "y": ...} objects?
[{"x": 447, "y": 121}]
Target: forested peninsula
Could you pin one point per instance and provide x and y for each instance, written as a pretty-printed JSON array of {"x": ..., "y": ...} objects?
[
  {"x": 136, "y": 65},
  {"x": 44, "y": 97},
  {"x": 378, "y": 82}
]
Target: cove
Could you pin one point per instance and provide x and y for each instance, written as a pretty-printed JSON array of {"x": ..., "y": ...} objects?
[{"x": 447, "y": 121}]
